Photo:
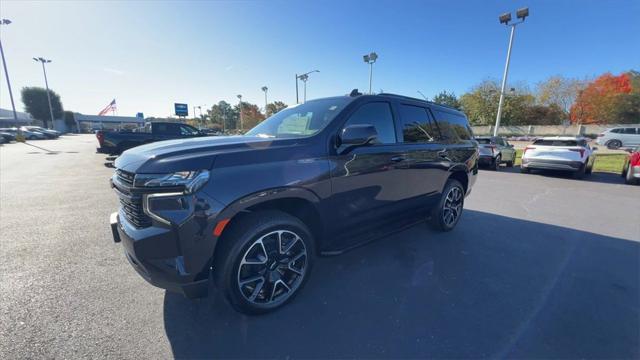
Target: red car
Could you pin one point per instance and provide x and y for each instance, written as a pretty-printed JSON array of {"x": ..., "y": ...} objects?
[{"x": 631, "y": 169}]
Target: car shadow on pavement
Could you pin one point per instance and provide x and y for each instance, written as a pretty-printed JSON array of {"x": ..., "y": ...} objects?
[
  {"x": 494, "y": 287},
  {"x": 600, "y": 177}
]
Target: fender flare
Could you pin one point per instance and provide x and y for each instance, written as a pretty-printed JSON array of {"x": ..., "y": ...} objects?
[{"x": 242, "y": 204}]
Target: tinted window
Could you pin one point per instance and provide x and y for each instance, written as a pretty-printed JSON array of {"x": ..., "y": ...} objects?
[
  {"x": 453, "y": 127},
  {"x": 555, "y": 142},
  {"x": 483, "y": 141},
  {"x": 416, "y": 125},
  {"x": 617, "y": 131},
  {"x": 629, "y": 131},
  {"x": 379, "y": 115}
]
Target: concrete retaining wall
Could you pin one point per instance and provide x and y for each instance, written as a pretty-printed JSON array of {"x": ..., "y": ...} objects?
[{"x": 548, "y": 129}]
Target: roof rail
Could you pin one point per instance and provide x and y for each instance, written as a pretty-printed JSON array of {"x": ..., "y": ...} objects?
[{"x": 416, "y": 99}]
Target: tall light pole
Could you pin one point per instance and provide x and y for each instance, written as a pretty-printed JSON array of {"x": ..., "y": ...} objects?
[
  {"x": 304, "y": 77},
  {"x": 265, "y": 89},
  {"x": 505, "y": 19},
  {"x": 6, "y": 73},
  {"x": 46, "y": 83},
  {"x": 370, "y": 59},
  {"x": 240, "y": 110}
]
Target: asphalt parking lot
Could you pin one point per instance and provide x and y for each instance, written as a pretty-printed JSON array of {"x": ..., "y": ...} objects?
[{"x": 541, "y": 265}]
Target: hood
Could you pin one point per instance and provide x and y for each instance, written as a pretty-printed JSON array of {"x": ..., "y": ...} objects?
[{"x": 186, "y": 154}]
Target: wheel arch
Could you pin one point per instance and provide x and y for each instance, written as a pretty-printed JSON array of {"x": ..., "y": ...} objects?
[
  {"x": 298, "y": 202},
  {"x": 460, "y": 174}
]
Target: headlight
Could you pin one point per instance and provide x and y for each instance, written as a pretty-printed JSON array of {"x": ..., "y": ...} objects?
[{"x": 192, "y": 181}]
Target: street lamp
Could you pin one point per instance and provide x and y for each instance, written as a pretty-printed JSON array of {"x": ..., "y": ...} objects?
[
  {"x": 370, "y": 59},
  {"x": 505, "y": 19},
  {"x": 304, "y": 77},
  {"x": 265, "y": 89},
  {"x": 240, "y": 109},
  {"x": 46, "y": 83},
  {"x": 6, "y": 73}
]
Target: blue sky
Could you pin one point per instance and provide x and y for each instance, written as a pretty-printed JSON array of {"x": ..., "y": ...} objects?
[{"x": 148, "y": 55}]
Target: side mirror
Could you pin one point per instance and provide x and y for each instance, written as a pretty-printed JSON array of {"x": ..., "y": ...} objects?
[{"x": 358, "y": 135}]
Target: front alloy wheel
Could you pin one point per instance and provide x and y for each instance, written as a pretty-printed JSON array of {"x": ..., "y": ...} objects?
[{"x": 272, "y": 268}]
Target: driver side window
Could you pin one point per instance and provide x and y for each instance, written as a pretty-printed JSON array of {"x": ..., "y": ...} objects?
[{"x": 379, "y": 115}]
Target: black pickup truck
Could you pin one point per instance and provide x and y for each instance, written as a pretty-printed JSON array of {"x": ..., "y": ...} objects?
[{"x": 115, "y": 142}]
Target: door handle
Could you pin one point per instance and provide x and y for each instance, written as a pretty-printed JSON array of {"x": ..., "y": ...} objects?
[
  {"x": 443, "y": 154},
  {"x": 398, "y": 158}
]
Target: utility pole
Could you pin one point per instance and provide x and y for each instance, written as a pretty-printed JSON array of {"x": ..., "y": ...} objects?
[
  {"x": 370, "y": 59},
  {"x": 265, "y": 89},
  {"x": 505, "y": 19},
  {"x": 240, "y": 110},
  {"x": 46, "y": 83},
  {"x": 6, "y": 73}
]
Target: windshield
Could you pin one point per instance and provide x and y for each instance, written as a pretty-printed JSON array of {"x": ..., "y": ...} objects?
[{"x": 301, "y": 120}]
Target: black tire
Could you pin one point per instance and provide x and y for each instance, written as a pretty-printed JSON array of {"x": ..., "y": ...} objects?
[
  {"x": 495, "y": 165},
  {"x": 440, "y": 215},
  {"x": 628, "y": 177},
  {"x": 255, "y": 233},
  {"x": 589, "y": 169},
  {"x": 524, "y": 170},
  {"x": 510, "y": 164},
  {"x": 581, "y": 172},
  {"x": 614, "y": 144}
]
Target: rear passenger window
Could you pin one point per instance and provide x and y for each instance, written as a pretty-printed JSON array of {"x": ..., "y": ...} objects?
[
  {"x": 416, "y": 125},
  {"x": 629, "y": 131},
  {"x": 453, "y": 127},
  {"x": 379, "y": 115}
]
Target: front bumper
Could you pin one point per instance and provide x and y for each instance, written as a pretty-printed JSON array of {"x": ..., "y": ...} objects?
[
  {"x": 543, "y": 164},
  {"x": 174, "y": 256}
]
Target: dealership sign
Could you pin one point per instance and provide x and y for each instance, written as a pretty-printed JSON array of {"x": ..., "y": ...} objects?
[{"x": 181, "y": 109}]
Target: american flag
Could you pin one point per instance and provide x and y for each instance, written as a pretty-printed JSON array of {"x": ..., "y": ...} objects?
[{"x": 110, "y": 107}]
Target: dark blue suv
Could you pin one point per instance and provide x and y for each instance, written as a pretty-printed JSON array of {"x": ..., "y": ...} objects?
[{"x": 250, "y": 213}]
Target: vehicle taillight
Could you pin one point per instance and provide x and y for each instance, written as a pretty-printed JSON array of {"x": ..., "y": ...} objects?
[{"x": 581, "y": 151}]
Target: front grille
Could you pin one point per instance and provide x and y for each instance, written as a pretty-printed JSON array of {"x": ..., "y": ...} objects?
[
  {"x": 125, "y": 177},
  {"x": 131, "y": 203}
]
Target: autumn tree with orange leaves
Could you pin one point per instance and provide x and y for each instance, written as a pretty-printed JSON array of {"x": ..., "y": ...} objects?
[{"x": 609, "y": 99}]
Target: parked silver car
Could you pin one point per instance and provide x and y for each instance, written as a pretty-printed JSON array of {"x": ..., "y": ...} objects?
[
  {"x": 495, "y": 150},
  {"x": 620, "y": 137}
]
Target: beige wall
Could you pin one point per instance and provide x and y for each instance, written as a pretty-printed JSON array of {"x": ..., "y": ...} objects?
[{"x": 548, "y": 129}]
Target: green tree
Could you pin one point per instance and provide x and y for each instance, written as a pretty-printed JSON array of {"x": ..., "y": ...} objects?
[
  {"x": 36, "y": 104},
  {"x": 223, "y": 112},
  {"x": 560, "y": 91},
  {"x": 481, "y": 103},
  {"x": 275, "y": 107},
  {"x": 70, "y": 121},
  {"x": 448, "y": 99}
]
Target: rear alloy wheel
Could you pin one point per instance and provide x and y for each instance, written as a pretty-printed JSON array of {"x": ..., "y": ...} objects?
[
  {"x": 495, "y": 166},
  {"x": 266, "y": 258},
  {"x": 581, "y": 172},
  {"x": 614, "y": 144},
  {"x": 448, "y": 211}
]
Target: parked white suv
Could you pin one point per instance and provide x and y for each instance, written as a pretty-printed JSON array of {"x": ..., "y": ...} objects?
[
  {"x": 620, "y": 137},
  {"x": 559, "y": 153}
]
